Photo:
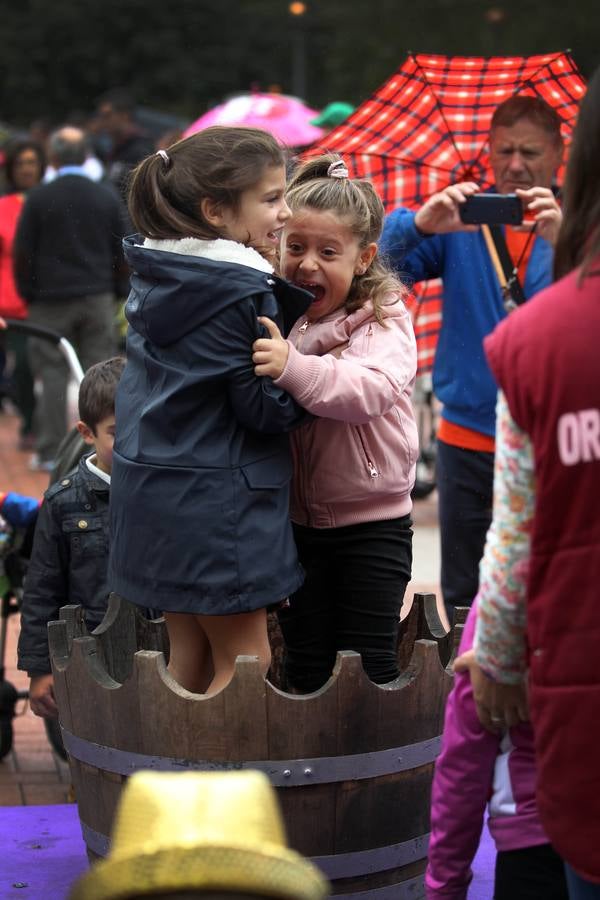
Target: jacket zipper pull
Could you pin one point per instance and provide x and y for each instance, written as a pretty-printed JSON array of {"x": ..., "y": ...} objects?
[
  {"x": 372, "y": 470},
  {"x": 301, "y": 333}
]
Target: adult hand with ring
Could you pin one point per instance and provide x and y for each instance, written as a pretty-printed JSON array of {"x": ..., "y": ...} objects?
[
  {"x": 483, "y": 691},
  {"x": 510, "y": 703}
]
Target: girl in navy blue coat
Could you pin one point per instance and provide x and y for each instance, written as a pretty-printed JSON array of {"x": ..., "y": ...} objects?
[{"x": 201, "y": 464}]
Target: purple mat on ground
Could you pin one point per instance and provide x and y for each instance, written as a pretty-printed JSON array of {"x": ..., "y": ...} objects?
[
  {"x": 42, "y": 849},
  {"x": 482, "y": 886}
]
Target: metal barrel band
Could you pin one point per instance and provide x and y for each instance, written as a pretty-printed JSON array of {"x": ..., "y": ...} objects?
[
  {"x": 282, "y": 773},
  {"x": 377, "y": 859},
  {"x": 413, "y": 889},
  {"x": 95, "y": 841},
  {"x": 343, "y": 865}
]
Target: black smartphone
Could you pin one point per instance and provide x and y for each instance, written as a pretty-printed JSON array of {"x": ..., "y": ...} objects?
[{"x": 492, "y": 209}]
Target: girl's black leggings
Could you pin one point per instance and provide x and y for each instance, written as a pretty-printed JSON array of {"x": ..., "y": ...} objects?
[{"x": 356, "y": 577}]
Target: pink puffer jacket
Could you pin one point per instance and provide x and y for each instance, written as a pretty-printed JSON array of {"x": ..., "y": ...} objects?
[{"x": 475, "y": 769}]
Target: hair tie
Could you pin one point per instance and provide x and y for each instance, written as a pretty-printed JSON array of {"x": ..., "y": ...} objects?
[
  {"x": 165, "y": 157},
  {"x": 337, "y": 169}
]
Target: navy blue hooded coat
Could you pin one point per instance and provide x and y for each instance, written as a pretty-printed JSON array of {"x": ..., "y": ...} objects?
[{"x": 201, "y": 464}]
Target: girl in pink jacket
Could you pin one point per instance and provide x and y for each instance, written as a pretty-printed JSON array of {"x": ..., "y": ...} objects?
[
  {"x": 351, "y": 362},
  {"x": 476, "y": 769}
]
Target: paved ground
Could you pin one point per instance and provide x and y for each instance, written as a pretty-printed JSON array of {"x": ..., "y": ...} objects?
[{"x": 32, "y": 774}]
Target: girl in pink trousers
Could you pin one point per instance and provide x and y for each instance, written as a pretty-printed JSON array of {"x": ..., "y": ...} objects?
[{"x": 476, "y": 769}]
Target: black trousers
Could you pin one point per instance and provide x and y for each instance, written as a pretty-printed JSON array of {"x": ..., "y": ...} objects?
[
  {"x": 532, "y": 873},
  {"x": 356, "y": 577},
  {"x": 465, "y": 482}
]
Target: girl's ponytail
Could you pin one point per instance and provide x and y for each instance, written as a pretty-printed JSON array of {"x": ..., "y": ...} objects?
[
  {"x": 154, "y": 211},
  {"x": 220, "y": 163},
  {"x": 310, "y": 169}
]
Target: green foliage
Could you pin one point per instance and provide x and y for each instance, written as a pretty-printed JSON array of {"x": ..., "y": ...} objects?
[{"x": 187, "y": 55}]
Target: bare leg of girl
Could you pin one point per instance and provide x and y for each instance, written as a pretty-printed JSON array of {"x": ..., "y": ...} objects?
[
  {"x": 190, "y": 661},
  {"x": 244, "y": 634}
]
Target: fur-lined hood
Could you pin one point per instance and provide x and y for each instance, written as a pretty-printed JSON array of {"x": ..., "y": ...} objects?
[
  {"x": 179, "y": 285},
  {"x": 220, "y": 250}
]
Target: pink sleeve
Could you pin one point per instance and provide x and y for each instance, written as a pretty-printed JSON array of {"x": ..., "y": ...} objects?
[
  {"x": 462, "y": 782},
  {"x": 364, "y": 383}
]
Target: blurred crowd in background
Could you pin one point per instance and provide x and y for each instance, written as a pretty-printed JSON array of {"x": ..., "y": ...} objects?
[{"x": 111, "y": 140}]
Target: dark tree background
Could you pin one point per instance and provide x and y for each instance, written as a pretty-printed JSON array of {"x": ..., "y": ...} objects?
[{"x": 184, "y": 56}]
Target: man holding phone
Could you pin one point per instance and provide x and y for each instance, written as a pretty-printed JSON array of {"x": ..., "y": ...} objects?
[{"x": 526, "y": 149}]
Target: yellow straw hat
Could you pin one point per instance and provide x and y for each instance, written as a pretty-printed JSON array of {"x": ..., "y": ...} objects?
[{"x": 200, "y": 831}]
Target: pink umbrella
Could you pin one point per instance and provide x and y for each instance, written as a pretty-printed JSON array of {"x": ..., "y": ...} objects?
[{"x": 287, "y": 118}]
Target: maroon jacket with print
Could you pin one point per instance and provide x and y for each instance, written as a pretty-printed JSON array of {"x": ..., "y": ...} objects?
[{"x": 546, "y": 359}]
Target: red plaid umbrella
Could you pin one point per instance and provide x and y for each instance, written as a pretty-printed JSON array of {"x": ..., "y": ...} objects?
[{"x": 427, "y": 127}]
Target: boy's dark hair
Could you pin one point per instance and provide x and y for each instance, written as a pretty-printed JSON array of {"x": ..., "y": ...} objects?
[
  {"x": 534, "y": 109},
  {"x": 97, "y": 391},
  {"x": 218, "y": 163}
]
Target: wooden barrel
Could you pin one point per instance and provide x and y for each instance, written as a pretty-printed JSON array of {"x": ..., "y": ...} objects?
[{"x": 352, "y": 763}]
